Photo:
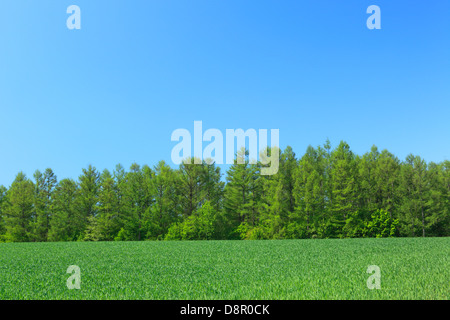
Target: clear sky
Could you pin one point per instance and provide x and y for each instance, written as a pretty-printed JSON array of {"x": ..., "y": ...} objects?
[{"x": 114, "y": 91}]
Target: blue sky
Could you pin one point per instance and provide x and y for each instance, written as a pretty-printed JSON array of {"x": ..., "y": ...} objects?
[{"x": 114, "y": 91}]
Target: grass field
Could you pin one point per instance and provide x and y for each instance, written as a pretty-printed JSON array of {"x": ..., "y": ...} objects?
[{"x": 286, "y": 269}]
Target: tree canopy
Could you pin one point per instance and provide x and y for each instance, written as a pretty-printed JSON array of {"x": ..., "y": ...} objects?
[{"x": 324, "y": 193}]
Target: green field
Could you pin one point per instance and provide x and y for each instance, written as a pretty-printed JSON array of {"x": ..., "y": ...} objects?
[{"x": 411, "y": 268}]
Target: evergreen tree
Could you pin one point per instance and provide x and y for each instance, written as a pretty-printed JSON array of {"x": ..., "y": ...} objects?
[
  {"x": 437, "y": 217},
  {"x": 415, "y": 188},
  {"x": 420, "y": 190},
  {"x": 166, "y": 209},
  {"x": 138, "y": 199},
  {"x": 212, "y": 186},
  {"x": 307, "y": 196},
  {"x": 108, "y": 221},
  {"x": 44, "y": 186},
  {"x": 242, "y": 195},
  {"x": 120, "y": 178},
  {"x": 387, "y": 180},
  {"x": 191, "y": 185},
  {"x": 92, "y": 232},
  {"x": 89, "y": 183},
  {"x": 277, "y": 199},
  {"x": 344, "y": 188},
  {"x": 67, "y": 223},
  {"x": 19, "y": 210},
  {"x": 325, "y": 194},
  {"x": 288, "y": 164},
  {"x": 369, "y": 194}
]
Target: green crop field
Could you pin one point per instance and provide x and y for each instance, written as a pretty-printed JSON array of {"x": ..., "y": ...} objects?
[{"x": 411, "y": 268}]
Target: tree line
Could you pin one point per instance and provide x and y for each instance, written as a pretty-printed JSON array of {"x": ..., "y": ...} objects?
[{"x": 326, "y": 193}]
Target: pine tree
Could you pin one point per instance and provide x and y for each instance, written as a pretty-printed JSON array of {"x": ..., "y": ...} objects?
[
  {"x": 138, "y": 199},
  {"x": 420, "y": 180},
  {"x": 387, "y": 180},
  {"x": 408, "y": 207},
  {"x": 326, "y": 193},
  {"x": 108, "y": 220},
  {"x": 89, "y": 183},
  {"x": 120, "y": 178},
  {"x": 274, "y": 210},
  {"x": 242, "y": 194},
  {"x": 288, "y": 165},
  {"x": 166, "y": 209},
  {"x": 191, "y": 185},
  {"x": 92, "y": 232},
  {"x": 369, "y": 194},
  {"x": 277, "y": 199},
  {"x": 416, "y": 192},
  {"x": 343, "y": 187},
  {"x": 212, "y": 186},
  {"x": 19, "y": 210},
  {"x": 66, "y": 224},
  {"x": 45, "y": 185},
  {"x": 437, "y": 218},
  {"x": 310, "y": 214}
]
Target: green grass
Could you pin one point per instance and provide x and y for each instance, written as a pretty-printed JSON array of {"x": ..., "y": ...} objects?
[{"x": 286, "y": 269}]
